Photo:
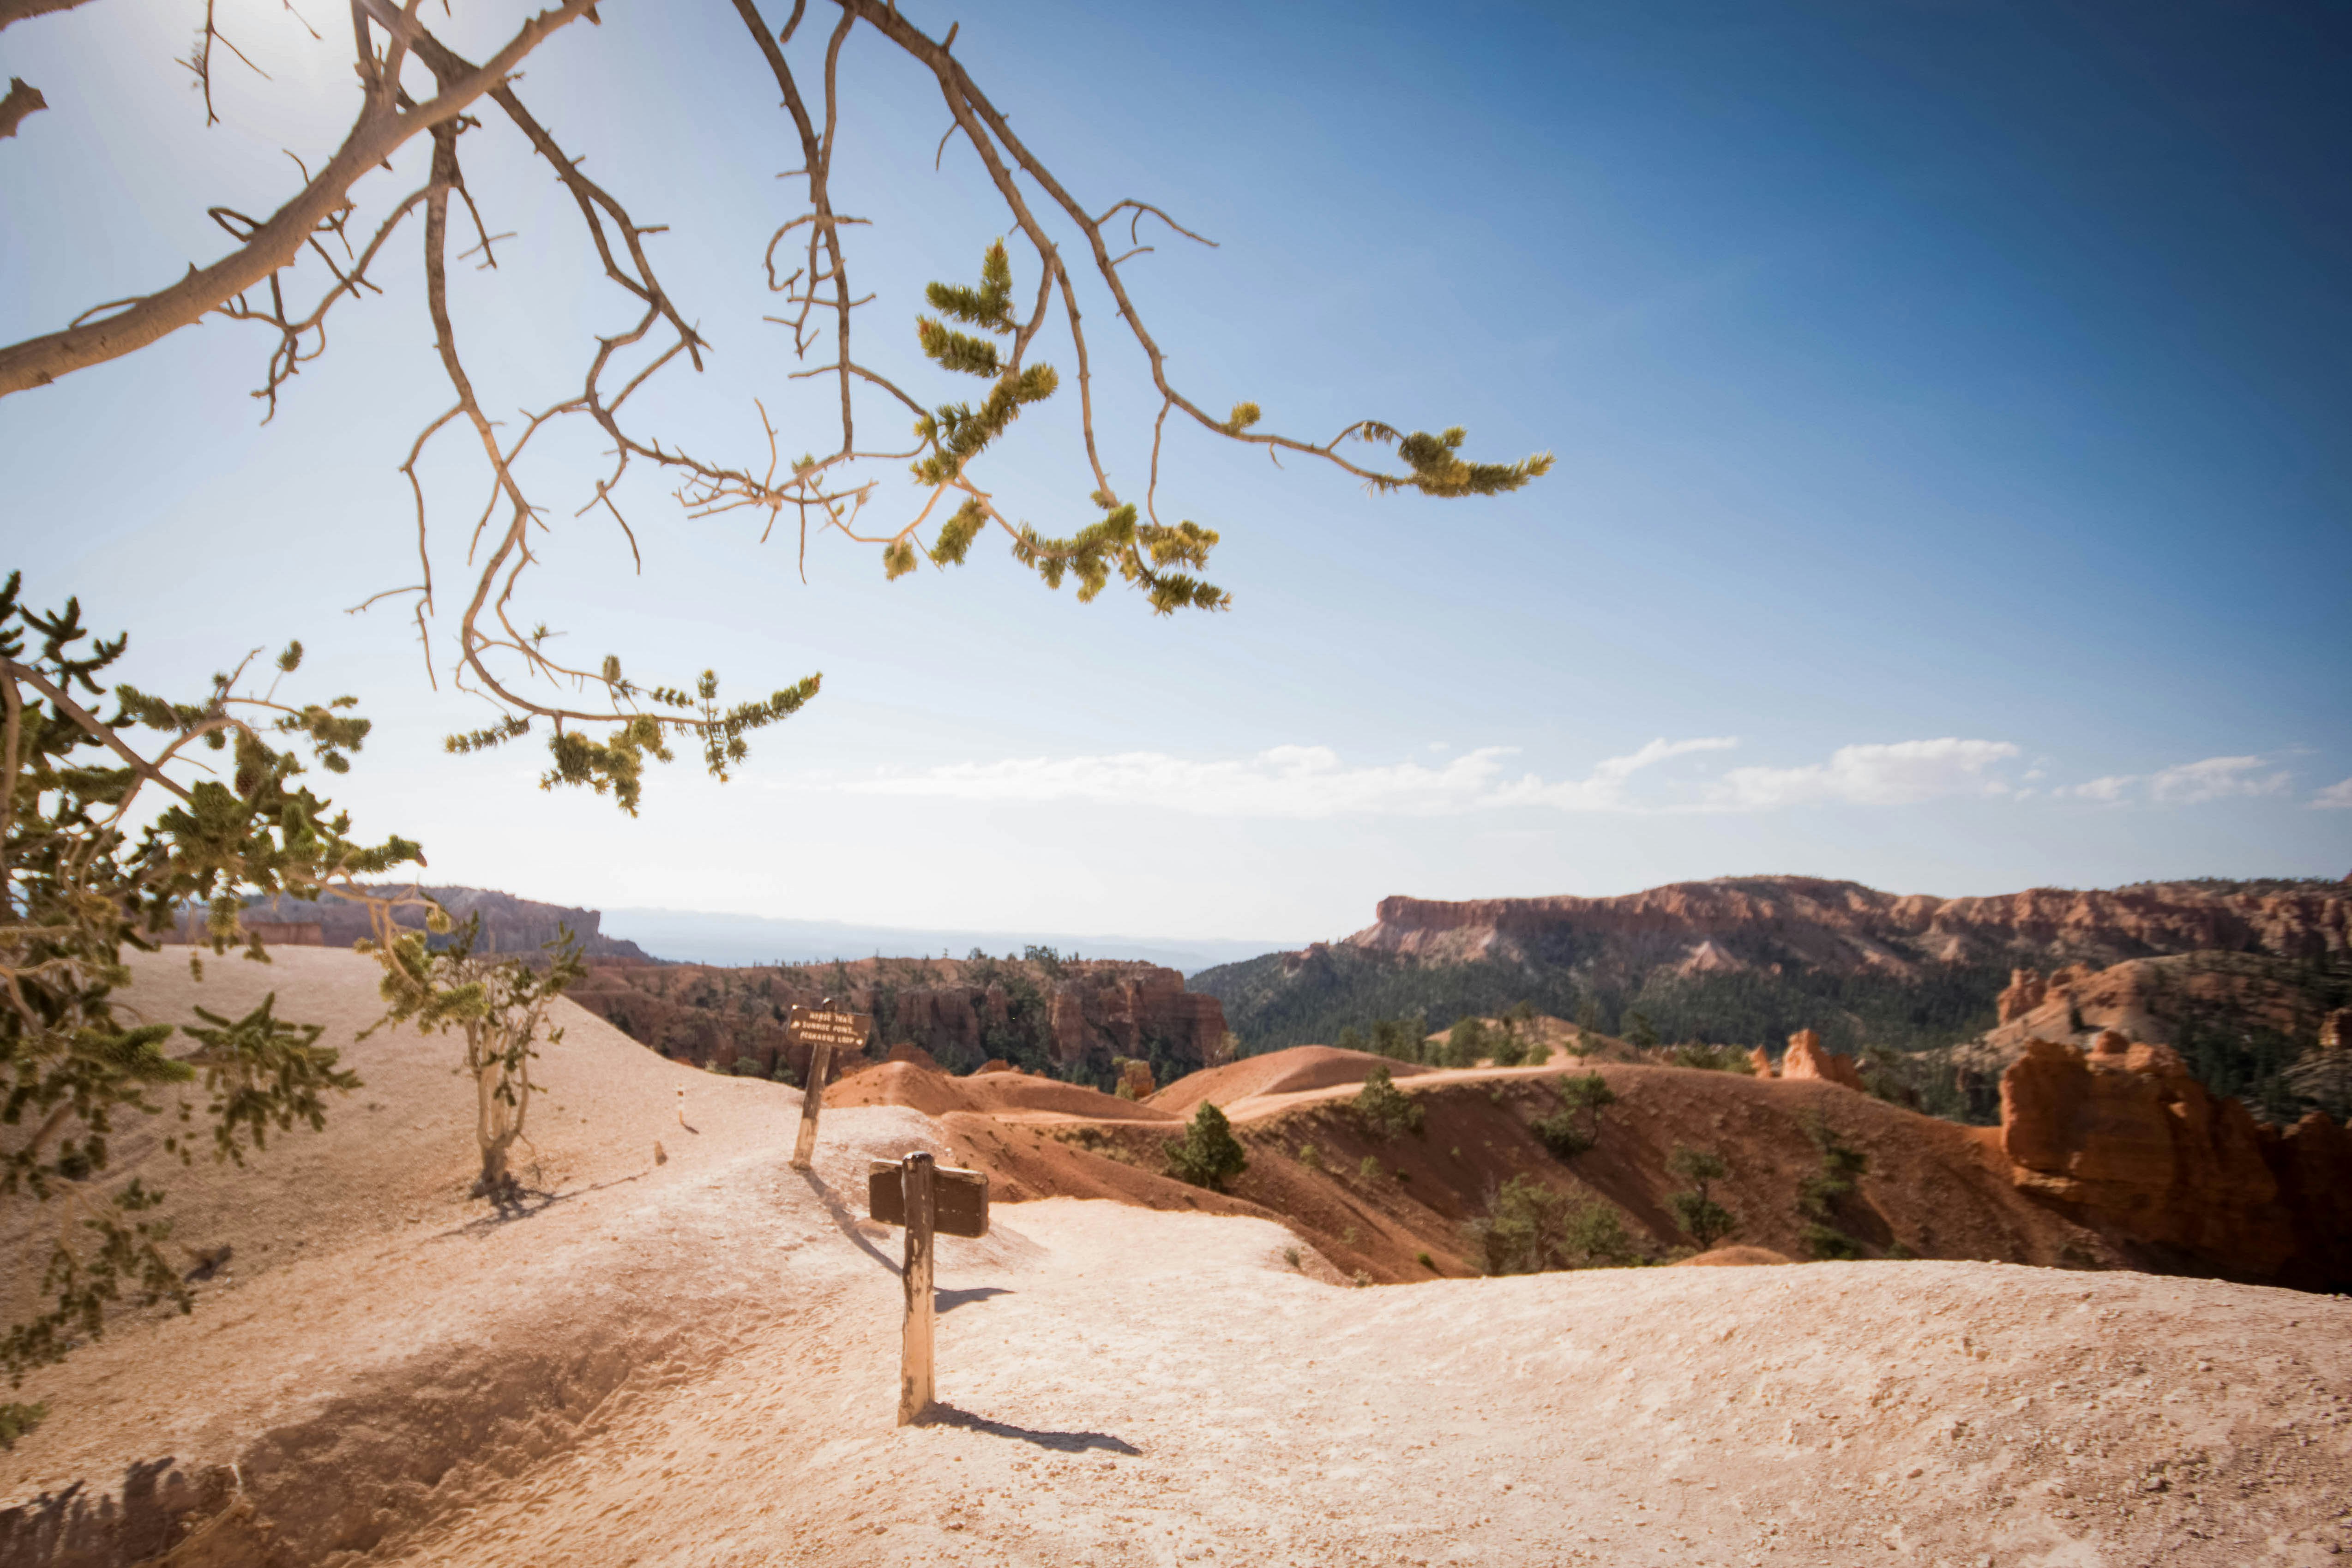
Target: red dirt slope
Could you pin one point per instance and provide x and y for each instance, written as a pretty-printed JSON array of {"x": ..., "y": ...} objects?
[
  {"x": 1293, "y": 1072},
  {"x": 1009, "y": 1096}
]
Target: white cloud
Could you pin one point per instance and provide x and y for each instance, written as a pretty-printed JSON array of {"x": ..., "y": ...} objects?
[
  {"x": 1604, "y": 790},
  {"x": 2110, "y": 789},
  {"x": 2214, "y": 779},
  {"x": 1299, "y": 781},
  {"x": 2338, "y": 795},
  {"x": 1310, "y": 781},
  {"x": 1903, "y": 773}
]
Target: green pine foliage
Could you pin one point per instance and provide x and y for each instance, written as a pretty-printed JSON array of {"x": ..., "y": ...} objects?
[
  {"x": 1208, "y": 1154},
  {"x": 1385, "y": 1110},
  {"x": 1529, "y": 1228},
  {"x": 1467, "y": 1042},
  {"x": 15, "y": 1420},
  {"x": 1575, "y": 1127},
  {"x": 79, "y": 887},
  {"x": 1695, "y": 1209},
  {"x": 1438, "y": 469},
  {"x": 1823, "y": 1193}
]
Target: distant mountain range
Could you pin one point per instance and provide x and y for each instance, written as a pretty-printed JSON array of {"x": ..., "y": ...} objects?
[
  {"x": 686, "y": 936},
  {"x": 512, "y": 924},
  {"x": 1750, "y": 960}
]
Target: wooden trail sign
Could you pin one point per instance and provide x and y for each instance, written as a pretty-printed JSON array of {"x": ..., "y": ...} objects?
[
  {"x": 917, "y": 1193},
  {"x": 823, "y": 1031},
  {"x": 958, "y": 1197}
]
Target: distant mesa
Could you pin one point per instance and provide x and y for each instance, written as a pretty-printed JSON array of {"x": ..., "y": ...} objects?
[
  {"x": 1755, "y": 923},
  {"x": 509, "y": 925}
]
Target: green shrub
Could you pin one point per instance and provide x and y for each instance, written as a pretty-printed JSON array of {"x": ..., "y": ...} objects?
[
  {"x": 1208, "y": 1154},
  {"x": 15, "y": 1420},
  {"x": 1824, "y": 1244},
  {"x": 1309, "y": 1157},
  {"x": 1466, "y": 1043},
  {"x": 1385, "y": 1109},
  {"x": 1427, "y": 1262},
  {"x": 1529, "y": 1228},
  {"x": 1595, "y": 1238},
  {"x": 1584, "y": 1095},
  {"x": 1639, "y": 1032},
  {"x": 1370, "y": 1169},
  {"x": 1822, "y": 1194},
  {"x": 1696, "y": 1212},
  {"x": 1711, "y": 1058},
  {"x": 1350, "y": 1038}
]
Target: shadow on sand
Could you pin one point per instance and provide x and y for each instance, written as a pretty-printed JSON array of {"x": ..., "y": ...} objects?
[
  {"x": 1067, "y": 1442},
  {"x": 519, "y": 1202},
  {"x": 847, "y": 1222}
]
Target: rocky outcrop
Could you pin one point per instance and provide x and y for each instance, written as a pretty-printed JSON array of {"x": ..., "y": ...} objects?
[
  {"x": 962, "y": 1013},
  {"x": 1844, "y": 927},
  {"x": 1807, "y": 1059},
  {"x": 509, "y": 925},
  {"x": 2153, "y": 999},
  {"x": 2028, "y": 988},
  {"x": 2125, "y": 1140}
]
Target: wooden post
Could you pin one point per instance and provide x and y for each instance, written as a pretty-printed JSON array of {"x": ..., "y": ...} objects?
[
  {"x": 915, "y": 1365},
  {"x": 812, "y": 1101},
  {"x": 820, "y": 1037}
]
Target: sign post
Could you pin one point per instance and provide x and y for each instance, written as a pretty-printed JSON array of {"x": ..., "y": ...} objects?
[
  {"x": 927, "y": 1199},
  {"x": 822, "y": 1030}
]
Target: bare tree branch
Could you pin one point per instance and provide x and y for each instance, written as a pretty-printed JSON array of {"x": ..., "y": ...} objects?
[
  {"x": 22, "y": 100},
  {"x": 835, "y": 484},
  {"x": 26, "y": 10},
  {"x": 38, "y": 362}
]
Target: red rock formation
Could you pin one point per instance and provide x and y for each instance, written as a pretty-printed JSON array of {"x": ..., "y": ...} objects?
[
  {"x": 1760, "y": 1062},
  {"x": 1070, "y": 1012},
  {"x": 1807, "y": 1059},
  {"x": 2027, "y": 988},
  {"x": 2125, "y": 1138},
  {"x": 2152, "y": 999},
  {"x": 1846, "y": 927}
]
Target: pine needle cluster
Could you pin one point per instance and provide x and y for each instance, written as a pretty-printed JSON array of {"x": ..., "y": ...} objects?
[{"x": 617, "y": 763}]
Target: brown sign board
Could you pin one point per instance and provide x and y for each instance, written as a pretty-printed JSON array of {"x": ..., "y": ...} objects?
[
  {"x": 958, "y": 1199},
  {"x": 842, "y": 1031}
]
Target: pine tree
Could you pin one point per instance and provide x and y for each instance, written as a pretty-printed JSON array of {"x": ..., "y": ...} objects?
[
  {"x": 1702, "y": 1219},
  {"x": 1208, "y": 1154}
]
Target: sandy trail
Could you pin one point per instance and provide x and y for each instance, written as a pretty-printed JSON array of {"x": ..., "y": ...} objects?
[
  {"x": 694, "y": 1364},
  {"x": 1128, "y": 1388}
]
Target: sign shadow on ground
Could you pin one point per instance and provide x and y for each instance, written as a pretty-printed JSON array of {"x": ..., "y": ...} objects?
[
  {"x": 942, "y": 1415},
  {"x": 948, "y": 1300}
]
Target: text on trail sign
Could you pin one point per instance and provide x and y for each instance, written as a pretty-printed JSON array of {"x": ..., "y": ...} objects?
[
  {"x": 823, "y": 1031},
  {"x": 842, "y": 1031}
]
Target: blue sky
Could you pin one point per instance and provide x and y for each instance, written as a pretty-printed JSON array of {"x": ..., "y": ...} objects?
[{"x": 1947, "y": 399}]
